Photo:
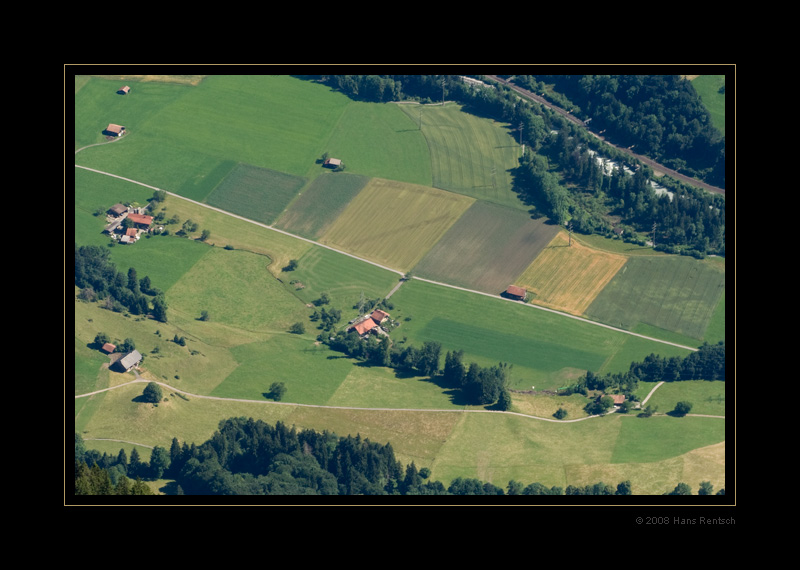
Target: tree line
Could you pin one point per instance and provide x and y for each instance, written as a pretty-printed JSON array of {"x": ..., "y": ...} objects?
[
  {"x": 99, "y": 280},
  {"x": 478, "y": 385},
  {"x": 707, "y": 363}
]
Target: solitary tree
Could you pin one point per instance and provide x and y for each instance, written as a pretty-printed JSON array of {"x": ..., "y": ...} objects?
[
  {"x": 276, "y": 391},
  {"x": 152, "y": 393},
  {"x": 297, "y": 328},
  {"x": 682, "y": 408}
]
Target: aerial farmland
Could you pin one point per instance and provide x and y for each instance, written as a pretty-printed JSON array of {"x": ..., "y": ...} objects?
[{"x": 265, "y": 254}]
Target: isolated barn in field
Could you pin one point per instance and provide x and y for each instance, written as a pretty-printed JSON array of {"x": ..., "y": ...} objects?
[
  {"x": 124, "y": 90},
  {"x": 332, "y": 162},
  {"x": 129, "y": 360},
  {"x": 113, "y": 130},
  {"x": 108, "y": 348},
  {"x": 515, "y": 292},
  {"x": 619, "y": 399}
]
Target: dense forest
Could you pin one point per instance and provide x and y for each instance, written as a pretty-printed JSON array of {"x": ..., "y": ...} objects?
[
  {"x": 251, "y": 457},
  {"x": 660, "y": 116},
  {"x": 559, "y": 176}
]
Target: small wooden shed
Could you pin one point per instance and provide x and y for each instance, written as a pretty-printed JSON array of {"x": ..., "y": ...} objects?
[
  {"x": 515, "y": 292},
  {"x": 114, "y": 130}
]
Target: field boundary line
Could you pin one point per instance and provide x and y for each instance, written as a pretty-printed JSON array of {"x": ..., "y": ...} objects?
[{"x": 398, "y": 272}]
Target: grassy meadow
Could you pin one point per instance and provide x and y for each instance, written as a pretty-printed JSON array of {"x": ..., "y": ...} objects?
[
  {"x": 469, "y": 155},
  {"x": 673, "y": 293},
  {"x": 341, "y": 277},
  {"x": 708, "y": 86},
  {"x": 251, "y": 145}
]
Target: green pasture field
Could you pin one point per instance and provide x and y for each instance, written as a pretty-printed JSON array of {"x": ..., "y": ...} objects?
[
  {"x": 469, "y": 155},
  {"x": 546, "y": 350},
  {"x": 256, "y": 193},
  {"x": 498, "y": 448},
  {"x": 97, "y": 104},
  {"x": 707, "y": 86},
  {"x": 674, "y": 293},
  {"x": 486, "y": 249},
  {"x": 179, "y": 135},
  {"x": 395, "y": 223},
  {"x": 706, "y": 397},
  {"x": 237, "y": 289},
  {"x": 377, "y": 387},
  {"x": 311, "y": 372},
  {"x": 379, "y": 140},
  {"x": 343, "y": 278},
  {"x": 320, "y": 203}
]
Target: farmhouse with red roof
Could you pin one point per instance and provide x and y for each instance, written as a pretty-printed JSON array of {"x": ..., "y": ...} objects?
[{"x": 370, "y": 323}]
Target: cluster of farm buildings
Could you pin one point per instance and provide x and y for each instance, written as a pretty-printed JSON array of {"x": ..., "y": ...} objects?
[
  {"x": 126, "y": 362},
  {"x": 127, "y": 232},
  {"x": 370, "y": 324}
]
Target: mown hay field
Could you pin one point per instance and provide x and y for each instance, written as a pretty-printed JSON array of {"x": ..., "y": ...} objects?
[
  {"x": 678, "y": 294},
  {"x": 320, "y": 203},
  {"x": 470, "y": 155},
  {"x": 395, "y": 223},
  {"x": 486, "y": 249},
  {"x": 568, "y": 277},
  {"x": 256, "y": 193}
]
